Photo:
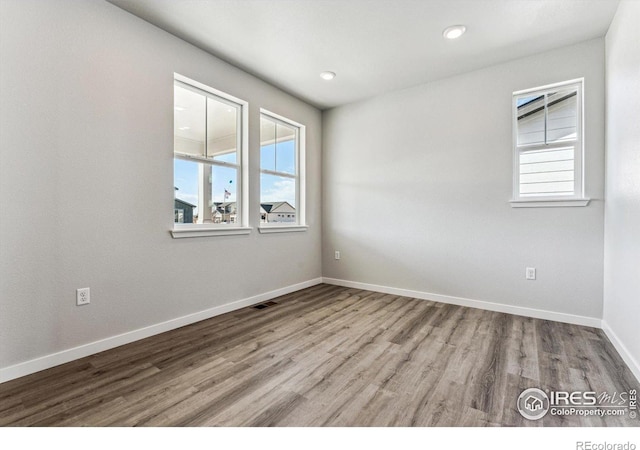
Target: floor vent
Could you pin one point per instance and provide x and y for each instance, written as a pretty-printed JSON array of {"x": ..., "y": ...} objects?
[{"x": 264, "y": 305}]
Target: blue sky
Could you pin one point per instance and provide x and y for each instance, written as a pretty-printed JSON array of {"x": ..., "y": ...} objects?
[{"x": 273, "y": 188}]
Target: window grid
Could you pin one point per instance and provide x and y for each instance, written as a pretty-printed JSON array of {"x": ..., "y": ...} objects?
[
  {"x": 551, "y": 165},
  {"x": 295, "y": 217},
  {"x": 212, "y": 212}
]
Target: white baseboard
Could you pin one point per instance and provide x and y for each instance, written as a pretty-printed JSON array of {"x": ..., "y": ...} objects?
[
  {"x": 626, "y": 356},
  {"x": 55, "y": 359},
  {"x": 480, "y": 304},
  {"x": 624, "y": 353}
]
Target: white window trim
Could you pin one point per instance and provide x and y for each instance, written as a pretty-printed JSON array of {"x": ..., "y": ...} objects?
[
  {"x": 265, "y": 229},
  {"x": 578, "y": 199},
  {"x": 300, "y": 224},
  {"x": 189, "y": 230},
  {"x": 202, "y": 230},
  {"x": 548, "y": 203}
]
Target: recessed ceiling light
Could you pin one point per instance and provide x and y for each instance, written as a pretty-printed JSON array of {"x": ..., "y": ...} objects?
[
  {"x": 454, "y": 31},
  {"x": 328, "y": 75},
  {"x": 184, "y": 128}
]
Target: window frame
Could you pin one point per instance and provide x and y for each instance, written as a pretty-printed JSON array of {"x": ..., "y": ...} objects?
[
  {"x": 300, "y": 179},
  {"x": 578, "y": 198},
  {"x": 187, "y": 230}
]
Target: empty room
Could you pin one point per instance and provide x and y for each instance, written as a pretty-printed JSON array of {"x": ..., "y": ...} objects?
[{"x": 331, "y": 213}]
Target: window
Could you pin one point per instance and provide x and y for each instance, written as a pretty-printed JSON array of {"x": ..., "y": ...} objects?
[
  {"x": 281, "y": 174},
  {"x": 209, "y": 156},
  {"x": 548, "y": 146}
]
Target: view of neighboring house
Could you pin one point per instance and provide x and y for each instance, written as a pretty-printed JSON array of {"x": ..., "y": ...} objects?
[
  {"x": 183, "y": 211},
  {"x": 226, "y": 212},
  {"x": 277, "y": 212}
]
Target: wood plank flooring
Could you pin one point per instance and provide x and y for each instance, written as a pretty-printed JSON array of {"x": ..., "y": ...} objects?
[{"x": 328, "y": 356}]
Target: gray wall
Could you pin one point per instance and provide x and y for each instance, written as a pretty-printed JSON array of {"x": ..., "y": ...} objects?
[
  {"x": 417, "y": 183},
  {"x": 622, "y": 212},
  {"x": 86, "y": 138}
]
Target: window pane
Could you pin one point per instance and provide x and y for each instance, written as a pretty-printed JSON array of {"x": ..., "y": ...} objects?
[
  {"x": 207, "y": 126},
  {"x": 224, "y": 182},
  {"x": 206, "y": 193},
  {"x": 530, "y": 110},
  {"x": 553, "y": 188},
  {"x": 285, "y": 149},
  {"x": 556, "y": 154},
  {"x": 222, "y": 131},
  {"x": 278, "y": 153},
  {"x": 562, "y": 116},
  {"x": 188, "y": 121},
  {"x": 547, "y": 136},
  {"x": 267, "y": 144},
  {"x": 185, "y": 181},
  {"x": 546, "y": 166},
  {"x": 560, "y": 175},
  {"x": 547, "y": 172},
  {"x": 277, "y": 199}
]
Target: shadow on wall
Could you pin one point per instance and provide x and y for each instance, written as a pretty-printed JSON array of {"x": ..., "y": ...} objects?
[{"x": 432, "y": 236}]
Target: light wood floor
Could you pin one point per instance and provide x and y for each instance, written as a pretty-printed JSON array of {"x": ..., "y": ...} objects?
[{"x": 328, "y": 356}]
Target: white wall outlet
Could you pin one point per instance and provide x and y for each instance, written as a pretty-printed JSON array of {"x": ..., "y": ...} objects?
[
  {"x": 337, "y": 254},
  {"x": 83, "y": 296},
  {"x": 530, "y": 273}
]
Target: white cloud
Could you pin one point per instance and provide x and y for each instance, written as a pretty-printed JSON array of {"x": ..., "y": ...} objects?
[{"x": 280, "y": 190}]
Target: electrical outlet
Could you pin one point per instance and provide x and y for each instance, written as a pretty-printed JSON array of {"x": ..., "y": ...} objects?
[
  {"x": 530, "y": 273},
  {"x": 83, "y": 296},
  {"x": 337, "y": 254}
]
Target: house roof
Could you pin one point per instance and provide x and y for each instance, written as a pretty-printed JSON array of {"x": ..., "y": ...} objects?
[
  {"x": 225, "y": 207},
  {"x": 270, "y": 207},
  {"x": 184, "y": 203},
  {"x": 267, "y": 207}
]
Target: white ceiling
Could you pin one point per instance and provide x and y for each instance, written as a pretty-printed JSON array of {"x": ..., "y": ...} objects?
[{"x": 374, "y": 46}]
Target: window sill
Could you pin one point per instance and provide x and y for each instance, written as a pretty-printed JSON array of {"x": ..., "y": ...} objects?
[
  {"x": 549, "y": 203},
  {"x": 189, "y": 232},
  {"x": 282, "y": 228}
]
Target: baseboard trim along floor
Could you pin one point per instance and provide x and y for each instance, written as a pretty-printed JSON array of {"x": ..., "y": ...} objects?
[
  {"x": 64, "y": 356},
  {"x": 480, "y": 304},
  {"x": 331, "y": 356},
  {"x": 54, "y": 359},
  {"x": 634, "y": 365}
]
